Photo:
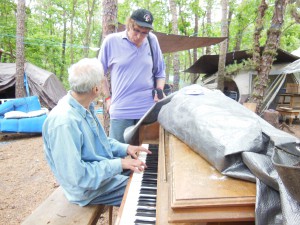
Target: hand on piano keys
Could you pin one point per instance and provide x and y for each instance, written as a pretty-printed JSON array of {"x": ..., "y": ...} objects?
[
  {"x": 134, "y": 151},
  {"x": 140, "y": 204},
  {"x": 135, "y": 164}
]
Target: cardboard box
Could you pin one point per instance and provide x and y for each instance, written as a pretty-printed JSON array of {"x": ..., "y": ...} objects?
[{"x": 292, "y": 88}]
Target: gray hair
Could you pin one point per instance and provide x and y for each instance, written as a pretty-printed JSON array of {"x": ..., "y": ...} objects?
[{"x": 85, "y": 75}]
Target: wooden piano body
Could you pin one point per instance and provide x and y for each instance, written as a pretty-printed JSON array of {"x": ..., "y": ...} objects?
[{"x": 192, "y": 192}]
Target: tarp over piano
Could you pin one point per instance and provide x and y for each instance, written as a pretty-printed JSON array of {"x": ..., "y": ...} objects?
[{"x": 237, "y": 142}]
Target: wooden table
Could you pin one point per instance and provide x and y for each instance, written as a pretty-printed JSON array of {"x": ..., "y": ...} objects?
[{"x": 290, "y": 113}]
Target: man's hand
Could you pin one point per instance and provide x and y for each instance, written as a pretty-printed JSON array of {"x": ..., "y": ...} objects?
[
  {"x": 135, "y": 165},
  {"x": 134, "y": 150}
]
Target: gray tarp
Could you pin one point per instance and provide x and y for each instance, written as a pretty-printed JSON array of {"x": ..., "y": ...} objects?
[
  {"x": 41, "y": 83},
  {"x": 235, "y": 141}
]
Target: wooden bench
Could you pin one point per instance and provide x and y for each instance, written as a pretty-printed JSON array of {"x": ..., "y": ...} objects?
[{"x": 57, "y": 210}]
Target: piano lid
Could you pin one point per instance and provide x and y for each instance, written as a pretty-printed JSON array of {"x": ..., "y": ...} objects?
[{"x": 195, "y": 183}]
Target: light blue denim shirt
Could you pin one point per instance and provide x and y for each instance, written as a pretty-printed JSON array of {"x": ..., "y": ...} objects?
[{"x": 85, "y": 162}]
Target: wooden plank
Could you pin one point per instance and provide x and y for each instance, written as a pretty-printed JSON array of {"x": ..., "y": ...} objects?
[
  {"x": 207, "y": 186},
  {"x": 162, "y": 198},
  {"x": 57, "y": 210}
]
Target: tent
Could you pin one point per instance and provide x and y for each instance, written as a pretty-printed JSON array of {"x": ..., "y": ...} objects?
[
  {"x": 41, "y": 83},
  {"x": 208, "y": 64},
  {"x": 242, "y": 81}
]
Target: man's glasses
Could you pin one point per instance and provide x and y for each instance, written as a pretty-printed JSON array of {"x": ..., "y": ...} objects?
[{"x": 137, "y": 31}]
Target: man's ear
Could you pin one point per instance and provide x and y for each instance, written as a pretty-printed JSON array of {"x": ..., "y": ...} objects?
[{"x": 95, "y": 90}]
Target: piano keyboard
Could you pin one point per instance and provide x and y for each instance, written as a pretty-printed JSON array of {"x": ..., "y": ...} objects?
[{"x": 140, "y": 205}]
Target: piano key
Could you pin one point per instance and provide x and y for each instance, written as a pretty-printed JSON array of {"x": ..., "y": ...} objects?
[
  {"x": 145, "y": 219},
  {"x": 141, "y": 222},
  {"x": 148, "y": 198},
  {"x": 146, "y": 214}
]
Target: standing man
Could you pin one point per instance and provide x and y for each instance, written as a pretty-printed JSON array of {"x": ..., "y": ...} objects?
[
  {"x": 136, "y": 66},
  {"x": 90, "y": 167}
]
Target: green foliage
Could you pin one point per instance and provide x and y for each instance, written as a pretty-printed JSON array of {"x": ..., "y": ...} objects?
[
  {"x": 234, "y": 68},
  {"x": 45, "y": 27}
]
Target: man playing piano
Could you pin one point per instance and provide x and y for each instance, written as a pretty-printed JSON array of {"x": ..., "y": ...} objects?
[{"x": 90, "y": 167}]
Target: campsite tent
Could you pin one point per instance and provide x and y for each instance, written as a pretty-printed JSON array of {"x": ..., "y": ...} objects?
[
  {"x": 41, "y": 83},
  {"x": 242, "y": 81}
]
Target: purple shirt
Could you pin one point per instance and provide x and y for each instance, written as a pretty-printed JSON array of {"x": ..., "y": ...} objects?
[{"x": 131, "y": 74}]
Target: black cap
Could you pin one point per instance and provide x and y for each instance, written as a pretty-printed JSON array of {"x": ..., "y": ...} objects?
[{"x": 143, "y": 18}]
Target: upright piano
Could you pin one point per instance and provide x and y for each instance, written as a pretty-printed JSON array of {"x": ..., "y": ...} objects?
[{"x": 189, "y": 190}]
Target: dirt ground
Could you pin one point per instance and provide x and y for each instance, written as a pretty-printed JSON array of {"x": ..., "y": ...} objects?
[{"x": 26, "y": 180}]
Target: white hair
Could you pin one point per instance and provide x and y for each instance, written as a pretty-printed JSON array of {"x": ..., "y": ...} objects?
[{"x": 85, "y": 75}]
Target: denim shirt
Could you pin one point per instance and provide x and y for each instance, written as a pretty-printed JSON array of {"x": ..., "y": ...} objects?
[{"x": 85, "y": 162}]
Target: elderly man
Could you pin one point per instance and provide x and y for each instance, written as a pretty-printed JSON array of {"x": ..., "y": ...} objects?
[{"x": 90, "y": 167}]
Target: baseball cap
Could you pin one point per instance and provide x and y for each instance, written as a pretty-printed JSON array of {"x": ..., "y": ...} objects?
[{"x": 143, "y": 18}]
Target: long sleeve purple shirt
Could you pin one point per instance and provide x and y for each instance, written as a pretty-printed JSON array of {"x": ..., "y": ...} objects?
[{"x": 132, "y": 79}]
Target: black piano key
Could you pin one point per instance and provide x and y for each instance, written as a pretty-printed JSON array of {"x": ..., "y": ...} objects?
[
  {"x": 145, "y": 200},
  {"x": 146, "y": 214},
  {"x": 146, "y": 203},
  {"x": 148, "y": 191},
  {"x": 149, "y": 185},
  {"x": 139, "y": 221},
  {"x": 149, "y": 179},
  {"x": 149, "y": 198},
  {"x": 150, "y": 210}
]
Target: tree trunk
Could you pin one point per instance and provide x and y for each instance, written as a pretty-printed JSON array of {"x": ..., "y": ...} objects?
[
  {"x": 109, "y": 25},
  {"x": 269, "y": 54},
  {"x": 259, "y": 26},
  {"x": 238, "y": 40},
  {"x": 89, "y": 21},
  {"x": 74, "y": 4},
  {"x": 209, "y": 23},
  {"x": 63, "y": 52},
  {"x": 194, "y": 77},
  {"x": 20, "y": 59},
  {"x": 176, "y": 63},
  {"x": 223, "y": 47}
]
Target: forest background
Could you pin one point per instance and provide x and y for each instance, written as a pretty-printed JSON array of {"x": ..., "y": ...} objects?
[{"x": 60, "y": 32}]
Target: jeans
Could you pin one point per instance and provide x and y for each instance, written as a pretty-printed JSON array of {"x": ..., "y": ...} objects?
[
  {"x": 118, "y": 126},
  {"x": 114, "y": 196}
]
